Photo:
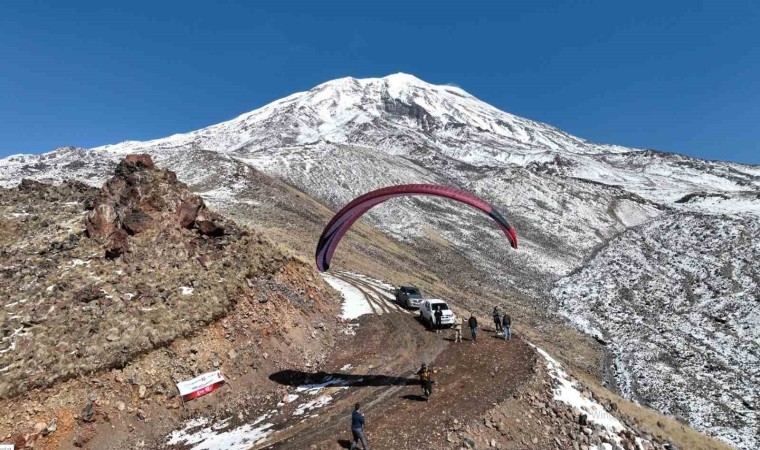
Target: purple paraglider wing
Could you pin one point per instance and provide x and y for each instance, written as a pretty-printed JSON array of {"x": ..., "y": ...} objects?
[{"x": 342, "y": 221}]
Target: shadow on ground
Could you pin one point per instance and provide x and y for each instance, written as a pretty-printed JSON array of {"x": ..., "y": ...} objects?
[
  {"x": 414, "y": 398},
  {"x": 300, "y": 378}
]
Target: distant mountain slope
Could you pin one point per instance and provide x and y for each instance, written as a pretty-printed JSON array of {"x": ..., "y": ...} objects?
[
  {"x": 679, "y": 300},
  {"x": 569, "y": 198}
]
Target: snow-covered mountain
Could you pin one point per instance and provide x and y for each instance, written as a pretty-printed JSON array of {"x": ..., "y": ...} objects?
[
  {"x": 567, "y": 197},
  {"x": 677, "y": 299}
]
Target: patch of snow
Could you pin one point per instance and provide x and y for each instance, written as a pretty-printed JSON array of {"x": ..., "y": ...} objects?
[
  {"x": 320, "y": 402},
  {"x": 290, "y": 398},
  {"x": 213, "y": 438},
  {"x": 355, "y": 304},
  {"x": 79, "y": 262},
  {"x": 676, "y": 301},
  {"x": 314, "y": 388}
]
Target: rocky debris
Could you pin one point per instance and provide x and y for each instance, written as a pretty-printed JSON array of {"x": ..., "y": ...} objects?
[
  {"x": 80, "y": 440},
  {"x": 50, "y": 428},
  {"x": 82, "y": 318},
  {"x": 546, "y": 423},
  {"x": 88, "y": 413}
]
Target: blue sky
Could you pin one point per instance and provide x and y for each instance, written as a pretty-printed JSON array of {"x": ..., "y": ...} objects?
[{"x": 680, "y": 76}]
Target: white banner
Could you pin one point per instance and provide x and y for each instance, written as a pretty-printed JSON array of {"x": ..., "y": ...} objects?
[{"x": 201, "y": 385}]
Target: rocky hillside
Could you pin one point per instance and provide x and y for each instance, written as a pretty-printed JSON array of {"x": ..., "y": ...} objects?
[{"x": 91, "y": 279}]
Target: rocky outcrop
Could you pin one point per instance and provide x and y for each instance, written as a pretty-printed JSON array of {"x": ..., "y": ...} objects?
[{"x": 140, "y": 197}]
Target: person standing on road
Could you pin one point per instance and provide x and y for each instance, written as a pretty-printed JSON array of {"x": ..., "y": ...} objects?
[
  {"x": 357, "y": 429},
  {"x": 473, "y": 323},
  {"x": 458, "y": 329},
  {"x": 506, "y": 324},
  {"x": 438, "y": 314},
  {"x": 497, "y": 319}
]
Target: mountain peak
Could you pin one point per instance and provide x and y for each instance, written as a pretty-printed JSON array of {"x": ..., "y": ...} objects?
[{"x": 405, "y": 78}]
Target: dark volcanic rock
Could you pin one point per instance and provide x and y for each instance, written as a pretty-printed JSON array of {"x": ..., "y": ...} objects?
[
  {"x": 136, "y": 221},
  {"x": 117, "y": 245},
  {"x": 140, "y": 197},
  {"x": 28, "y": 185}
]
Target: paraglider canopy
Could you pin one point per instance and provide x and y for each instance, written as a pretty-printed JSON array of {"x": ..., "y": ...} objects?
[{"x": 342, "y": 221}]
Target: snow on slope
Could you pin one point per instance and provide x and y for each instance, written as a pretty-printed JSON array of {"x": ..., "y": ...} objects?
[{"x": 678, "y": 301}]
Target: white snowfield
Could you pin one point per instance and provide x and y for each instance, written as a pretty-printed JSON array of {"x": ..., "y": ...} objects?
[{"x": 567, "y": 197}]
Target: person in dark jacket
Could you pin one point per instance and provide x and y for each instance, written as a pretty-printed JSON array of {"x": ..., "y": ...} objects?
[
  {"x": 506, "y": 324},
  {"x": 473, "y": 323},
  {"x": 426, "y": 379},
  {"x": 357, "y": 429},
  {"x": 438, "y": 314},
  {"x": 497, "y": 319}
]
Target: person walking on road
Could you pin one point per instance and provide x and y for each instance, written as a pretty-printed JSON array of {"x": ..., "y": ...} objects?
[
  {"x": 458, "y": 329},
  {"x": 506, "y": 325},
  {"x": 497, "y": 319},
  {"x": 473, "y": 323},
  {"x": 438, "y": 314},
  {"x": 357, "y": 429}
]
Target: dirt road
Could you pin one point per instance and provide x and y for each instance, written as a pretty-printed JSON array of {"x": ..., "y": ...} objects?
[{"x": 376, "y": 366}]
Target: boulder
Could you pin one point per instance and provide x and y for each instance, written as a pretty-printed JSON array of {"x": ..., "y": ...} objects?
[
  {"x": 133, "y": 163},
  {"x": 136, "y": 221},
  {"x": 117, "y": 245},
  {"x": 209, "y": 228},
  {"x": 101, "y": 221}
]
